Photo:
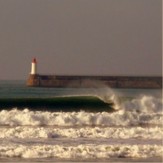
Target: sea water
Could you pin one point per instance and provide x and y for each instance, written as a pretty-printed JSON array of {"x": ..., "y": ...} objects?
[{"x": 132, "y": 132}]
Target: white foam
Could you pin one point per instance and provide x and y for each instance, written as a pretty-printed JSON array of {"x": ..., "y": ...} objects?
[
  {"x": 24, "y": 132},
  {"x": 144, "y": 104},
  {"x": 119, "y": 118},
  {"x": 81, "y": 151}
]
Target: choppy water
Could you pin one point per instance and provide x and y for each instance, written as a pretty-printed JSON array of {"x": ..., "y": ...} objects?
[{"x": 133, "y": 131}]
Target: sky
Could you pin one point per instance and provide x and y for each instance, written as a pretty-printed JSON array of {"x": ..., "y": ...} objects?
[{"x": 80, "y": 37}]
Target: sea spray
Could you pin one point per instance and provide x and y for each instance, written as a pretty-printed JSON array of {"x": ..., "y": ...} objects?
[
  {"x": 108, "y": 95},
  {"x": 103, "y": 92}
]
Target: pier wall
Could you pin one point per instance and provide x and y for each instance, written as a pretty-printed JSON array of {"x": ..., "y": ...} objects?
[{"x": 94, "y": 81}]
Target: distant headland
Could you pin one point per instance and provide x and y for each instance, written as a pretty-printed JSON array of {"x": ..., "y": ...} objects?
[{"x": 79, "y": 81}]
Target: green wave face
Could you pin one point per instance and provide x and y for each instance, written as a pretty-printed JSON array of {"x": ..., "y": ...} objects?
[{"x": 66, "y": 104}]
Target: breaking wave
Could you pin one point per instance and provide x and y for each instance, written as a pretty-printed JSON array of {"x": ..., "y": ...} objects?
[
  {"x": 138, "y": 111},
  {"x": 87, "y": 103}
]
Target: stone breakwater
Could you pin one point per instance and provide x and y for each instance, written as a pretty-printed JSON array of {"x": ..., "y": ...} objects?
[{"x": 95, "y": 81}]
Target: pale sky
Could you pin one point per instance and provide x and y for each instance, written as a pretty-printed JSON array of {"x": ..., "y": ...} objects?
[{"x": 82, "y": 37}]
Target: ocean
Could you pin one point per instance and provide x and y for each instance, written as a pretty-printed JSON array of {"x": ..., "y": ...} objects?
[{"x": 79, "y": 125}]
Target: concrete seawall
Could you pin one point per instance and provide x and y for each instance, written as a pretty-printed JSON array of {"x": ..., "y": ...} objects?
[{"x": 94, "y": 81}]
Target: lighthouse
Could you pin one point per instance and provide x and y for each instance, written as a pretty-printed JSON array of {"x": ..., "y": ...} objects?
[{"x": 34, "y": 67}]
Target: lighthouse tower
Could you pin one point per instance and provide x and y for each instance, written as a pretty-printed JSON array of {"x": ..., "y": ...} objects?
[{"x": 34, "y": 67}]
